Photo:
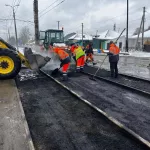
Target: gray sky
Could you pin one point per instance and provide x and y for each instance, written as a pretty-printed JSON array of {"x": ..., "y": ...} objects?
[{"x": 95, "y": 14}]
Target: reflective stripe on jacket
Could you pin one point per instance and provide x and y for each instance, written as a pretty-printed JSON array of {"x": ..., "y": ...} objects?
[{"x": 79, "y": 52}]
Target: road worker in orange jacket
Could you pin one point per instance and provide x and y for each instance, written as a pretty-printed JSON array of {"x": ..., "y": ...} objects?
[
  {"x": 65, "y": 61},
  {"x": 79, "y": 56},
  {"x": 113, "y": 59}
]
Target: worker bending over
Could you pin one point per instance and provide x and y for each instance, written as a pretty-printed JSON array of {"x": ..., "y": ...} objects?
[
  {"x": 65, "y": 61},
  {"x": 79, "y": 55},
  {"x": 113, "y": 59}
]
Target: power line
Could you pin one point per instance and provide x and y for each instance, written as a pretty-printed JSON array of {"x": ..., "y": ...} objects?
[
  {"x": 18, "y": 20},
  {"x": 48, "y": 7},
  {"x": 119, "y": 16},
  {"x": 51, "y": 8}
]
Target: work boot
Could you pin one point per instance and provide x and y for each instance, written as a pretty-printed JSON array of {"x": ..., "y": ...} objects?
[
  {"x": 65, "y": 77},
  {"x": 78, "y": 70},
  {"x": 94, "y": 63},
  {"x": 81, "y": 69},
  {"x": 86, "y": 64}
]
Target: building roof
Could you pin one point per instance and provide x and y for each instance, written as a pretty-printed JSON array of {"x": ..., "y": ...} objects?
[
  {"x": 146, "y": 35},
  {"x": 108, "y": 34},
  {"x": 68, "y": 36},
  {"x": 79, "y": 37}
]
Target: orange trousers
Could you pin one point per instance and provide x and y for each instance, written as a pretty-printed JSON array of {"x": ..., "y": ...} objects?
[
  {"x": 65, "y": 68},
  {"x": 89, "y": 56},
  {"x": 80, "y": 62}
]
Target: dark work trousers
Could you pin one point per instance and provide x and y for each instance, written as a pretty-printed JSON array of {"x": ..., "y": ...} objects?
[{"x": 114, "y": 69}]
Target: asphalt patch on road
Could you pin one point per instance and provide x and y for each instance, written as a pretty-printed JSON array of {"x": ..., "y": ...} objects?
[{"x": 58, "y": 120}]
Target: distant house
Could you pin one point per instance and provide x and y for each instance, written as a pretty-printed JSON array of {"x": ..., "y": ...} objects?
[
  {"x": 66, "y": 38},
  {"x": 100, "y": 41},
  {"x": 132, "y": 41},
  {"x": 77, "y": 38}
]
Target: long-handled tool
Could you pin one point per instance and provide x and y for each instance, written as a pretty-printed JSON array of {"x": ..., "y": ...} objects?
[
  {"x": 93, "y": 77},
  {"x": 54, "y": 72}
]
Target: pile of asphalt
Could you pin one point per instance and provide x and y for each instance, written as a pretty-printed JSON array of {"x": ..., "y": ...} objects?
[
  {"x": 133, "y": 82},
  {"x": 58, "y": 120}
]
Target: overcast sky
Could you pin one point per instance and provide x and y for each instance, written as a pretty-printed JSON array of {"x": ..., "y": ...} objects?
[{"x": 95, "y": 14}]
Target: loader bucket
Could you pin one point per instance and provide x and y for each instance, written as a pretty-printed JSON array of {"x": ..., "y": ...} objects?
[{"x": 36, "y": 61}]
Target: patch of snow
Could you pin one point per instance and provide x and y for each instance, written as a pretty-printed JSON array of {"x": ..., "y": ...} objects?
[
  {"x": 139, "y": 54},
  {"x": 79, "y": 37},
  {"x": 108, "y": 34},
  {"x": 21, "y": 50}
]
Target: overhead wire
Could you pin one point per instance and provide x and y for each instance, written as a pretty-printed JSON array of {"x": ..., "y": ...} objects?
[
  {"x": 51, "y": 8},
  {"x": 48, "y": 7}
]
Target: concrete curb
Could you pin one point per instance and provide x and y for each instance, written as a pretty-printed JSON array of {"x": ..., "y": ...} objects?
[
  {"x": 28, "y": 135},
  {"x": 120, "y": 125}
]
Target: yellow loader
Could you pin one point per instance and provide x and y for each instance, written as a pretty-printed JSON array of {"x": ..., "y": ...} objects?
[{"x": 11, "y": 60}]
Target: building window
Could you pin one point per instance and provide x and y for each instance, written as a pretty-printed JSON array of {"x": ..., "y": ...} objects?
[{"x": 120, "y": 44}]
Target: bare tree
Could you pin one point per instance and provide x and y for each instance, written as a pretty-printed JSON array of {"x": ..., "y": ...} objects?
[
  {"x": 12, "y": 40},
  {"x": 24, "y": 35}
]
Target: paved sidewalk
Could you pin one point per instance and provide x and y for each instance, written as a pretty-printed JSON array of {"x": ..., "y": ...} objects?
[{"x": 14, "y": 133}]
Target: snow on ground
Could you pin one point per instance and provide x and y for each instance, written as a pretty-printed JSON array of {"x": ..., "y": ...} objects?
[
  {"x": 21, "y": 50},
  {"x": 133, "y": 54},
  {"x": 140, "y": 54}
]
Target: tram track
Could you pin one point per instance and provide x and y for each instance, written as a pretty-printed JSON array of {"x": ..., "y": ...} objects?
[
  {"x": 120, "y": 125},
  {"x": 130, "y": 107},
  {"x": 62, "y": 121},
  {"x": 136, "y": 84}
]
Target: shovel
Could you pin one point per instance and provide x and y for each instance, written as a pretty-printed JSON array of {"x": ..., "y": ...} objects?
[{"x": 54, "y": 72}]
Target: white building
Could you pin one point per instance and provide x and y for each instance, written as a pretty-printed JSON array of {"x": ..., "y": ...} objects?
[{"x": 121, "y": 43}]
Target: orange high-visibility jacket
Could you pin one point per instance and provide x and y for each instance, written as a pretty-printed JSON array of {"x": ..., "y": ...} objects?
[
  {"x": 61, "y": 53},
  {"x": 114, "y": 49}
]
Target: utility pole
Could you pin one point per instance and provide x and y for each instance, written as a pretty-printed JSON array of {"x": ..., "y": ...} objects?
[
  {"x": 136, "y": 46},
  {"x": 14, "y": 23},
  {"x": 114, "y": 27},
  {"x": 36, "y": 21},
  {"x": 127, "y": 48},
  {"x": 8, "y": 34},
  {"x": 143, "y": 28},
  {"x": 82, "y": 34},
  {"x": 96, "y": 32},
  {"x": 58, "y": 24}
]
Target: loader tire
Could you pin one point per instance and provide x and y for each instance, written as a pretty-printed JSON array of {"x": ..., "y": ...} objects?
[{"x": 10, "y": 64}]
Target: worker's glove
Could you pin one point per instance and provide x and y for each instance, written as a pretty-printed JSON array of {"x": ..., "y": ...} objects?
[{"x": 61, "y": 65}]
